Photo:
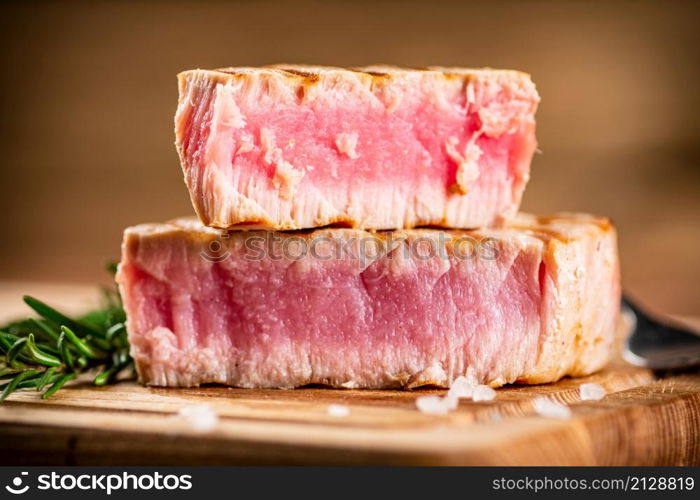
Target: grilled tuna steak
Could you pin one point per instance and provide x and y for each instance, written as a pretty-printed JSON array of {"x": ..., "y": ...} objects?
[
  {"x": 290, "y": 147},
  {"x": 529, "y": 303}
]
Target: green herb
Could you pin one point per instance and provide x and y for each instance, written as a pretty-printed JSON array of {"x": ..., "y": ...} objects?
[{"x": 55, "y": 348}]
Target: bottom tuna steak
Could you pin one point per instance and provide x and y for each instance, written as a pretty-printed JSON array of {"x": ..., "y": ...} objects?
[{"x": 348, "y": 308}]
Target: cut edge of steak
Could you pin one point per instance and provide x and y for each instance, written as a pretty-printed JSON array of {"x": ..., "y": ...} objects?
[
  {"x": 529, "y": 303},
  {"x": 380, "y": 147}
]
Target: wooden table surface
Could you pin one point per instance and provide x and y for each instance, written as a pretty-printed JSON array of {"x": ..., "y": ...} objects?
[{"x": 646, "y": 419}]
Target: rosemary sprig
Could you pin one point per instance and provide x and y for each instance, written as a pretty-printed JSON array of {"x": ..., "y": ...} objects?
[{"x": 45, "y": 353}]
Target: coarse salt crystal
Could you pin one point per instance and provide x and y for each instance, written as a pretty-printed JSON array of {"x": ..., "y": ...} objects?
[
  {"x": 201, "y": 418},
  {"x": 592, "y": 392},
  {"x": 549, "y": 408},
  {"x": 483, "y": 393},
  {"x": 338, "y": 410},
  {"x": 433, "y": 405},
  {"x": 461, "y": 388}
]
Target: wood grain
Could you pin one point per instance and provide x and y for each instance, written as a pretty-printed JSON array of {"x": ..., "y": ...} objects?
[
  {"x": 645, "y": 419},
  {"x": 642, "y": 421}
]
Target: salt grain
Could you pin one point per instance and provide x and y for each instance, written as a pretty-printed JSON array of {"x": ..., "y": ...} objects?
[
  {"x": 338, "y": 410},
  {"x": 461, "y": 388},
  {"x": 483, "y": 393},
  {"x": 201, "y": 418},
  {"x": 592, "y": 392},
  {"x": 549, "y": 408},
  {"x": 433, "y": 405}
]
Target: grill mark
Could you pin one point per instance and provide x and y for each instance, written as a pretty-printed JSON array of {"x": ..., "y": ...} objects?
[
  {"x": 309, "y": 75},
  {"x": 378, "y": 72},
  {"x": 229, "y": 71}
]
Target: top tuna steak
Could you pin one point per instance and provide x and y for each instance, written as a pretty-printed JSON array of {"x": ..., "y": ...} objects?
[{"x": 289, "y": 147}]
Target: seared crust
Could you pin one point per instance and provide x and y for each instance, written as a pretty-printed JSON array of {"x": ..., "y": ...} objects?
[
  {"x": 377, "y": 72},
  {"x": 563, "y": 226},
  {"x": 382, "y": 74}
]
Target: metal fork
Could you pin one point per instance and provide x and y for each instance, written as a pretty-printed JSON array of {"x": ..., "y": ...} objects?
[{"x": 659, "y": 344}]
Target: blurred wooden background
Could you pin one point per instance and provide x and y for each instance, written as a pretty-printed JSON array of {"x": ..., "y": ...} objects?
[{"x": 88, "y": 93}]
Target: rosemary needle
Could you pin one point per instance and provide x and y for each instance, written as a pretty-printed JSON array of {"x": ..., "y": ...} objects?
[
  {"x": 58, "y": 384},
  {"x": 45, "y": 378},
  {"x": 38, "y": 355},
  {"x": 83, "y": 347},
  {"x": 14, "y": 351},
  {"x": 12, "y": 385},
  {"x": 45, "y": 329},
  {"x": 52, "y": 314},
  {"x": 65, "y": 353}
]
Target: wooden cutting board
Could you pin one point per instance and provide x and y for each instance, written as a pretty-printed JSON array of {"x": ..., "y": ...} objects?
[{"x": 646, "y": 419}]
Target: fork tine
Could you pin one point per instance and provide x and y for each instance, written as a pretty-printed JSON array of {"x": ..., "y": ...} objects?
[{"x": 660, "y": 345}]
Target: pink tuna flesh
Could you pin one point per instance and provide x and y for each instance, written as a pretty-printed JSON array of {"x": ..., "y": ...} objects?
[
  {"x": 347, "y": 308},
  {"x": 289, "y": 147}
]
